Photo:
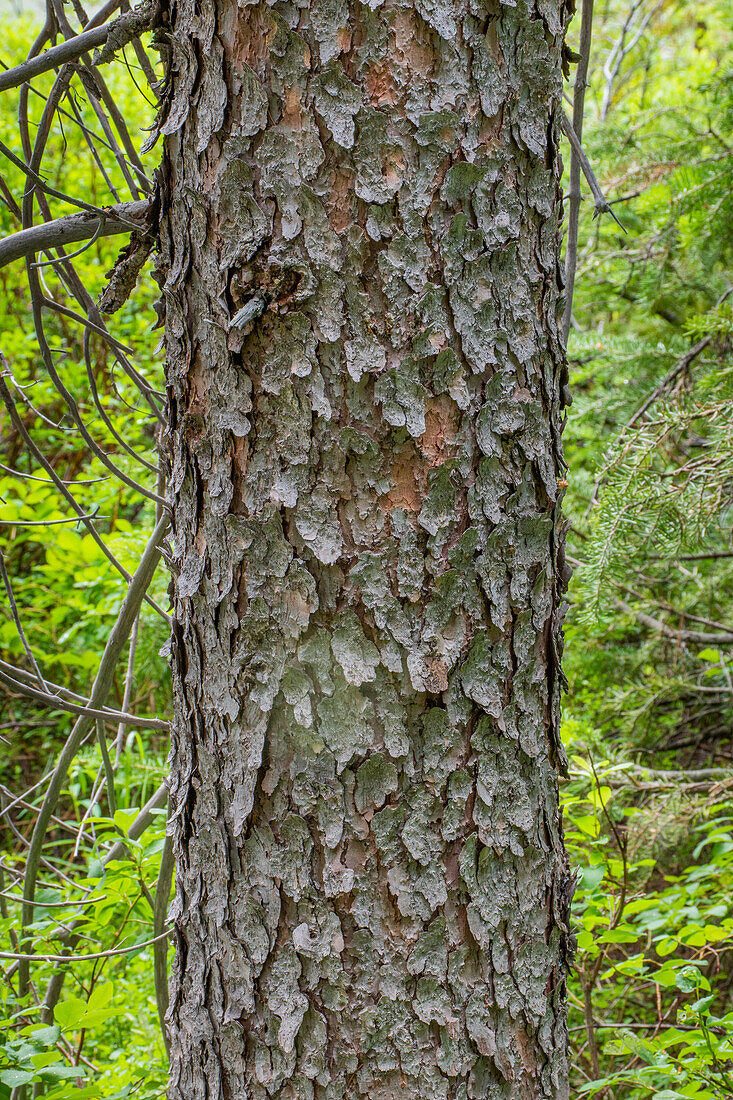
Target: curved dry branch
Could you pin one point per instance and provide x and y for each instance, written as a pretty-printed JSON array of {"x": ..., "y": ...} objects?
[
  {"x": 102, "y": 684},
  {"x": 70, "y": 50},
  {"x": 57, "y": 703},
  {"x": 111, "y": 37},
  {"x": 123, "y": 218}
]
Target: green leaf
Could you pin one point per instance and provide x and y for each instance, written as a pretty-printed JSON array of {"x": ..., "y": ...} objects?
[
  {"x": 587, "y": 824},
  {"x": 619, "y": 935},
  {"x": 101, "y": 995},
  {"x": 713, "y": 933},
  {"x": 89, "y": 1092},
  {"x": 44, "y": 1059},
  {"x": 666, "y": 946},
  {"x": 591, "y": 877},
  {"x": 16, "y": 1077},
  {"x": 96, "y": 869},
  {"x": 43, "y": 1035},
  {"x": 62, "y": 1073},
  {"x": 70, "y": 1012},
  {"x": 123, "y": 819},
  {"x": 585, "y": 940},
  {"x": 687, "y": 979}
]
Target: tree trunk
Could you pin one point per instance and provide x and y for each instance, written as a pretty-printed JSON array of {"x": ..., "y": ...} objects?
[{"x": 361, "y": 280}]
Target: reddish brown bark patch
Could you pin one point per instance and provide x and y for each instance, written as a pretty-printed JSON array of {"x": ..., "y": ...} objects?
[
  {"x": 340, "y": 199},
  {"x": 442, "y": 419},
  {"x": 406, "y": 476}
]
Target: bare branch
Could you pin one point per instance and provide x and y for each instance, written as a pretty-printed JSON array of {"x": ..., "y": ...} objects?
[
  {"x": 699, "y": 637},
  {"x": 18, "y": 624},
  {"x": 53, "y": 58},
  {"x": 601, "y": 203},
  {"x": 83, "y": 958},
  {"x": 44, "y": 188},
  {"x": 679, "y": 368},
  {"x": 109, "y": 774},
  {"x": 26, "y": 677},
  {"x": 581, "y": 83},
  {"x": 111, "y": 38},
  {"x": 58, "y": 703},
  {"x": 54, "y": 904},
  {"x": 100, "y": 690},
  {"x": 129, "y": 676},
  {"x": 696, "y": 775},
  {"x": 47, "y": 480},
  {"x": 621, "y": 49},
  {"x": 156, "y": 802},
  {"x": 709, "y": 555},
  {"x": 74, "y": 227}
]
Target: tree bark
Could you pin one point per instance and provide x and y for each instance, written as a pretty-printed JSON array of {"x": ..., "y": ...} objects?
[{"x": 362, "y": 287}]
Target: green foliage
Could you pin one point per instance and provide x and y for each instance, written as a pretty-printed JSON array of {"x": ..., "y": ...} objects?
[
  {"x": 648, "y": 436},
  {"x": 105, "y": 1040},
  {"x": 665, "y": 485},
  {"x": 648, "y": 648},
  {"x": 109, "y": 1036},
  {"x": 654, "y": 929}
]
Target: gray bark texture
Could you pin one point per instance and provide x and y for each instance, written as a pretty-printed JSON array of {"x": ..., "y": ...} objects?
[{"x": 360, "y": 220}]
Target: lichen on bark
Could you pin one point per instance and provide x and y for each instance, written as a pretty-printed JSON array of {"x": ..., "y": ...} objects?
[{"x": 360, "y": 218}]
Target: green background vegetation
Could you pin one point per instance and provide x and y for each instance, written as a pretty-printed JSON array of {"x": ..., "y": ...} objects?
[{"x": 649, "y": 797}]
